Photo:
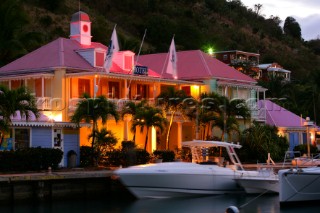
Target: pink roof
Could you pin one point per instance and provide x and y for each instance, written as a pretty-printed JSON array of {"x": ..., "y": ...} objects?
[
  {"x": 194, "y": 65},
  {"x": 61, "y": 52},
  {"x": 58, "y": 53},
  {"x": 279, "y": 116}
]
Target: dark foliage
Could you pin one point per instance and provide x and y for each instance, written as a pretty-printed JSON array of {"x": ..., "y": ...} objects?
[
  {"x": 259, "y": 140},
  {"x": 292, "y": 28},
  {"x": 165, "y": 155},
  {"x": 85, "y": 156},
  {"x": 303, "y": 149},
  {"x": 125, "y": 158},
  {"x": 30, "y": 159}
]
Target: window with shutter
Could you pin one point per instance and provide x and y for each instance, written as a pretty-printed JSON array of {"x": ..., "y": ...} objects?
[
  {"x": 83, "y": 87},
  {"x": 128, "y": 62},
  {"x": 99, "y": 59}
]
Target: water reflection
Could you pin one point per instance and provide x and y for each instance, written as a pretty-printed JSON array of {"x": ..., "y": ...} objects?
[
  {"x": 193, "y": 205},
  {"x": 210, "y": 204}
]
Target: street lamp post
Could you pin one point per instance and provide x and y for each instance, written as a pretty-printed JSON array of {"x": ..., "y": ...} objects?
[{"x": 307, "y": 124}]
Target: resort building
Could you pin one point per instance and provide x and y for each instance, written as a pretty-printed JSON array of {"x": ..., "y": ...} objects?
[
  {"x": 60, "y": 72},
  {"x": 232, "y": 56},
  {"x": 295, "y": 128},
  {"x": 245, "y": 62},
  {"x": 273, "y": 70}
]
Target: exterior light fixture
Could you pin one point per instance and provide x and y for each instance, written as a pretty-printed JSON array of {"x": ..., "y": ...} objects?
[
  {"x": 308, "y": 124},
  {"x": 210, "y": 51}
]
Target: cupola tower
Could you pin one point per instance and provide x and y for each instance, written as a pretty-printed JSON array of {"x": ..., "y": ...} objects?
[{"x": 80, "y": 28}]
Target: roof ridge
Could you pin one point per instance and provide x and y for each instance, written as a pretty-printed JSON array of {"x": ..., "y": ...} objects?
[
  {"x": 204, "y": 62},
  {"x": 61, "y": 52}
]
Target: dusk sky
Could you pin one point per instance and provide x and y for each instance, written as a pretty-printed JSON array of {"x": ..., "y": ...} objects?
[{"x": 306, "y": 13}]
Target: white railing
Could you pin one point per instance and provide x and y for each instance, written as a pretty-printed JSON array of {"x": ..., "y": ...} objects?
[
  {"x": 44, "y": 103},
  {"x": 120, "y": 103}
]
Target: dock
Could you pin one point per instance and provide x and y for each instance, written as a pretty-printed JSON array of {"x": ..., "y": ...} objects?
[{"x": 59, "y": 185}]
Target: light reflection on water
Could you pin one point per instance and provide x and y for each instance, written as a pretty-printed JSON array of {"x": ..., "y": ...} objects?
[{"x": 210, "y": 204}]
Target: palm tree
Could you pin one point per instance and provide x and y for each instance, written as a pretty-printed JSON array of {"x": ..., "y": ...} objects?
[
  {"x": 171, "y": 101},
  {"x": 148, "y": 116},
  {"x": 93, "y": 109},
  {"x": 230, "y": 110},
  {"x": 209, "y": 109},
  {"x": 130, "y": 108},
  {"x": 12, "y": 101},
  {"x": 201, "y": 114},
  {"x": 104, "y": 141},
  {"x": 214, "y": 110}
]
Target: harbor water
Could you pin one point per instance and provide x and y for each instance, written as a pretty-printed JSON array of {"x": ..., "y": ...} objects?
[{"x": 208, "y": 204}]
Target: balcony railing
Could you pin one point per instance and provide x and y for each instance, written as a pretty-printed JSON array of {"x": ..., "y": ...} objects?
[
  {"x": 44, "y": 103},
  {"x": 120, "y": 103},
  {"x": 258, "y": 114}
]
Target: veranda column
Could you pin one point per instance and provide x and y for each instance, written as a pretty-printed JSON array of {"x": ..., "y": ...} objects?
[
  {"x": 126, "y": 89},
  {"x": 126, "y": 121},
  {"x": 153, "y": 139},
  {"x": 179, "y": 135}
]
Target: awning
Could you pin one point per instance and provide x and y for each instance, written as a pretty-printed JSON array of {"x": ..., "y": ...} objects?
[{"x": 42, "y": 121}]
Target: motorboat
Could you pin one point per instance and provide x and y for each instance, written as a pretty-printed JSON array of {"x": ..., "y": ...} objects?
[
  {"x": 306, "y": 161},
  {"x": 299, "y": 185},
  {"x": 266, "y": 181},
  {"x": 180, "y": 179}
]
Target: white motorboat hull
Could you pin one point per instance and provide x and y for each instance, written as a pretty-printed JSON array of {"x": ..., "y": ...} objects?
[
  {"x": 178, "y": 179},
  {"x": 259, "y": 185},
  {"x": 266, "y": 181},
  {"x": 299, "y": 185}
]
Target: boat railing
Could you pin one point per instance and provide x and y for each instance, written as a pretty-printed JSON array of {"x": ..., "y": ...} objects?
[
  {"x": 234, "y": 158},
  {"x": 316, "y": 156},
  {"x": 289, "y": 156},
  {"x": 196, "y": 153}
]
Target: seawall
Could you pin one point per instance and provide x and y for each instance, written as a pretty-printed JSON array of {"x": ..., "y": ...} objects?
[{"x": 46, "y": 186}]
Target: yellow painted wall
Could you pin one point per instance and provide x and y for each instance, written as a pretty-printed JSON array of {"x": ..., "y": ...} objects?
[
  {"x": 195, "y": 91},
  {"x": 187, "y": 131},
  {"x": 84, "y": 133}
]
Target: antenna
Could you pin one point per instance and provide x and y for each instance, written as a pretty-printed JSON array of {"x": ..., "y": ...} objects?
[
  {"x": 79, "y": 5},
  {"x": 141, "y": 46},
  {"x": 144, "y": 35}
]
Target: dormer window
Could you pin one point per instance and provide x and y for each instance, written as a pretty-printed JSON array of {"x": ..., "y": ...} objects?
[
  {"x": 95, "y": 56},
  {"x": 99, "y": 59},
  {"x": 124, "y": 59}
]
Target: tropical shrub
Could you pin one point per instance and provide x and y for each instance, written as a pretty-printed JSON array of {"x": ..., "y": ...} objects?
[
  {"x": 30, "y": 159},
  {"x": 85, "y": 156},
  {"x": 126, "y": 157},
  {"x": 259, "y": 140}
]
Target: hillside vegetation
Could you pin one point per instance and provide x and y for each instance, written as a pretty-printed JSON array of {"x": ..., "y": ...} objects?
[{"x": 195, "y": 24}]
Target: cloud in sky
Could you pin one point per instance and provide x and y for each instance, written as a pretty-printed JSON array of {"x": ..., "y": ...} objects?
[
  {"x": 309, "y": 26},
  {"x": 306, "y": 13}
]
